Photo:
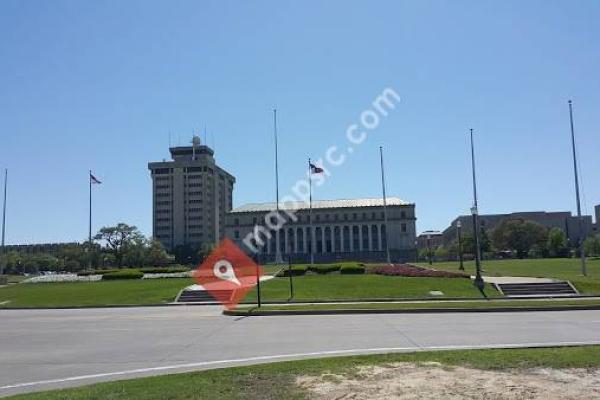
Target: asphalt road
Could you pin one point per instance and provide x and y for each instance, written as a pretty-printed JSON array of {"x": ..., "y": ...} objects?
[{"x": 47, "y": 349}]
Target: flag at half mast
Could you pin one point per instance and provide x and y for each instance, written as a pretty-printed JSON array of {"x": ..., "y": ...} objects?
[{"x": 94, "y": 180}]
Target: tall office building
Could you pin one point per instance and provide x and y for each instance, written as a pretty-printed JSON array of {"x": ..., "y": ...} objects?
[{"x": 190, "y": 197}]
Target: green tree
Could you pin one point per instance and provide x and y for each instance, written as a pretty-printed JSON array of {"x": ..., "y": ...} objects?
[
  {"x": 135, "y": 252},
  {"x": 557, "y": 244},
  {"x": 519, "y": 235},
  {"x": 157, "y": 255},
  {"x": 423, "y": 254},
  {"x": 117, "y": 238},
  {"x": 441, "y": 253},
  {"x": 468, "y": 243},
  {"x": 485, "y": 241},
  {"x": 592, "y": 245}
]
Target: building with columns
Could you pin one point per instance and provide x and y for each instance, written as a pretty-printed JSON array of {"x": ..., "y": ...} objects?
[
  {"x": 342, "y": 230},
  {"x": 190, "y": 196}
]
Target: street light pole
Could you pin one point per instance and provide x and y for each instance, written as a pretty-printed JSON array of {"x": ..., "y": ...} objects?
[
  {"x": 429, "y": 249},
  {"x": 479, "y": 284},
  {"x": 461, "y": 266},
  {"x": 579, "y": 219}
]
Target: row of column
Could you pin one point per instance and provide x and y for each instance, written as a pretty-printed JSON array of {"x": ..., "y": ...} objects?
[{"x": 336, "y": 239}]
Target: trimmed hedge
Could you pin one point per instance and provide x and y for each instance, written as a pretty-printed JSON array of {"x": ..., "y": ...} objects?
[
  {"x": 164, "y": 270},
  {"x": 123, "y": 274},
  {"x": 297, "y": 270},
  {"x": 96, "y": 272},
  {"x": 352, "y": 269},
  {"x": 324, "y": 268}
]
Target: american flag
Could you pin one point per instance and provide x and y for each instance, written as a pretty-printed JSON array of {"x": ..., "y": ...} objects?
[
  {"x": 94, "y": 180},
  {"x": 314, "y": 169}
]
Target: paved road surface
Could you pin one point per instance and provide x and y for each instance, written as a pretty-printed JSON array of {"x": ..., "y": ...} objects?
[{"x": 46, "y": 349}]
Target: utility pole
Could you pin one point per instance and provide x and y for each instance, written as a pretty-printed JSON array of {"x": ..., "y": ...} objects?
[{"x": 580, "y": 220}]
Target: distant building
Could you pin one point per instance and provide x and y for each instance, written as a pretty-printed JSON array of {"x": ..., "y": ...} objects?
[
  {"x": 563, "y": 220},
  {"x": 435, "y": 239},
  {"x": 190, "y": 197},
  {"x": 596, "y": 227},
  {"x": 343, "y": 230}
]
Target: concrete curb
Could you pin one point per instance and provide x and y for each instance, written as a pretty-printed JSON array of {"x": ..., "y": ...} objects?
[
  {"x": 265, "y": 313},
  {"x": 108, "y": 306}
]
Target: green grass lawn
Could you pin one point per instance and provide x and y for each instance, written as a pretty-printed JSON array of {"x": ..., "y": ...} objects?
[
  {"x": 278, "y": 380},
  {"x": 125, "y": 292},
  {"x": 15, "y": 278},
  {"x": 560, "y": 268},
  {"x": 407, "y": 306},
  {"x": 313, "y": 287}
]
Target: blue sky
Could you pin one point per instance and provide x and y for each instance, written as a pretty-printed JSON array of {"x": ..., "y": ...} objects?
[{"x": 99, "y": 85}]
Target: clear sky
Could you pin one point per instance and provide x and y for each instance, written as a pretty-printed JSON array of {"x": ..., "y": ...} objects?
[{"x": 99, "y": 84}]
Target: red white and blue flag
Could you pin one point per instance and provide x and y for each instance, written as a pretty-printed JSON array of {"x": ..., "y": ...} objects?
[
  {"x": 314, "y": 169},
  {"x": 94, "y": 180}
]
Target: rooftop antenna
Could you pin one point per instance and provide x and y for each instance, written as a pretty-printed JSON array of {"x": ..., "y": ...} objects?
[
  {"x": 169, "y": 137},
  {"x": 195, "y": 142},
  {"x": 205, "y": 141}
]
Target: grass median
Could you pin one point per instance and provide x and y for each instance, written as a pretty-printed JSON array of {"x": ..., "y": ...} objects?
[
  {"x": 409, "y": 306},
  {"x": 337, "y": 287},
  {"x": 558, "y": 268},
  {"x": 86, "y": 294},
  {"x": 280, "y": 380}
]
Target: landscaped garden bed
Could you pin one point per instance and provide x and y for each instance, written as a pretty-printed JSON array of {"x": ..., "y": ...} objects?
[{"x": 413, "y": 271}]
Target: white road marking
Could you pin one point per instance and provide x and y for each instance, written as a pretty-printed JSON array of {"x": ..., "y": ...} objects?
[{"x": 296, "y": 355}]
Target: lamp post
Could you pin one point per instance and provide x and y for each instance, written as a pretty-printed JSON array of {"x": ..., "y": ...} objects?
[
  {"x": 429, "y": 249},
  {"x": 460, "y": 248},
  {"x": 479, "y": 284},
  {"x": 579, "y": 218}
]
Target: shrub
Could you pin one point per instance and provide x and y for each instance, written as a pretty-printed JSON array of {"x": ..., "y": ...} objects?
[
  {"x": 297, "y": 270},
  {"x": 413, "y": 271},
  {"x": 123, "y": 274},
  {"x": 164, "y": 270},
  {"x": 96, "y": 272},
  {"x": 324, "y": 268},
  {"x": 352, "y": 269}
]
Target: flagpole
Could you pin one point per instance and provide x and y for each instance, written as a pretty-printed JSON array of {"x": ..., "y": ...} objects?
[
  {"x": 479, "y": 283},
  {"x": 90, "y": 216},
  {"x": 310, "y": 227},
  {"x": 4, "y": 221},
  {"x": 385, "y": 216},
  {"x": 278, "y": 258},
  {"x": 581, "y": 232}
]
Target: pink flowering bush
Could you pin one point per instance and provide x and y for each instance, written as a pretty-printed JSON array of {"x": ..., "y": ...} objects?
[{"x": 413, "y": 271}]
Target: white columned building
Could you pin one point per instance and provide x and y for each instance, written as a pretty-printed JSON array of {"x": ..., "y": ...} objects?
[{"x": 341, "y": 230}]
